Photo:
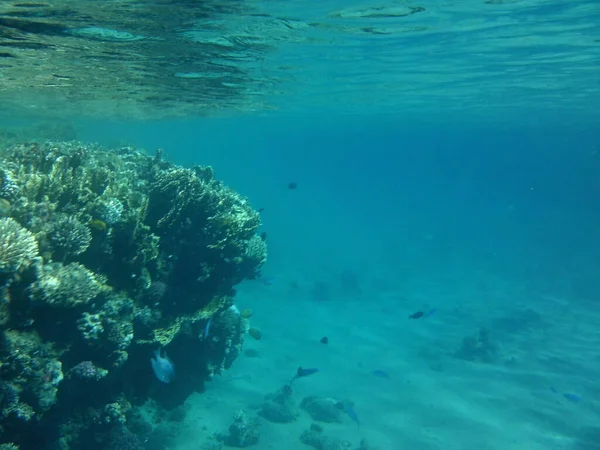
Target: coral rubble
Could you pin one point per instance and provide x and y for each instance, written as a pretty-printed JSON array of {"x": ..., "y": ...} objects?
[{"x": 106, "y": 256}]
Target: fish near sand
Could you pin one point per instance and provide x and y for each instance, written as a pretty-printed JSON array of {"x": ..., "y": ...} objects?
[{"x": 162, "y": 366}]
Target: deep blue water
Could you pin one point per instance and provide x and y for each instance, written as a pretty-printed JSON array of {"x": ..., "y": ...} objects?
[{"x": 522, "y": 198}]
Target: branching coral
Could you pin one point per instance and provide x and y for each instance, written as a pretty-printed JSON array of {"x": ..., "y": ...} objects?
[
  {"x": 18, "y": 246},
  {"x": 70, "y": 237}
]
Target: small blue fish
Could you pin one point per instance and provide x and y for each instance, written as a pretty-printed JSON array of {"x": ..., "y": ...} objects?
[
  {"x": 352, "y": 414},
  {"x": 163, "y": 367},
  {"x": 381, "y": 374},
  {"x": 268, "y": 281},
  {"x": 572, "y": 397},
  {"x": 430, "y": 313}
]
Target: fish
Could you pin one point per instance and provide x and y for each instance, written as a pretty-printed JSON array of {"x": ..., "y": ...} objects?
[
  {"x": 422, "y": 314},
  {"x": 163, "y": 367},
  {"x": 305, "y": 372},
  {"x": 267, "y": 281},
  {"x": 381, "y": 374},
  {"x": 324, "y": 340},
  {"x": 572, "y": 397},
  {"x": 301, "y": 373},
  {"x": 349, "y": 410},
  {"x": 430, "y": 313},
  {"x": 207, "y": 328},
  {"x": 292, "y": 185}
]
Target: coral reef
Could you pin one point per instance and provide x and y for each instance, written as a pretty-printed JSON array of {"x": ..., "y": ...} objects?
[{"x": 106, "y": 256}]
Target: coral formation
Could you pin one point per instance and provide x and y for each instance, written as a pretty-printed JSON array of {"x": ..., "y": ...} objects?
[
  {"x": 243, "y": 432},
  {"x": 322, "y": 409},
  {"x": 18, "y": 246},
  {"x": 279, "y": 407},
  {"x": 479, "y": 348},
  {"x": 105, "y": 256},
  {"x": 315, "y": 438}
]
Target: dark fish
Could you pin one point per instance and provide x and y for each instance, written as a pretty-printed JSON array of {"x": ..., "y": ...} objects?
[
  {"x": 417, "y": 315},
  {"x": 301, "y": 373},
  {"x": 292, "y": 185},
  {"x": 261, "y": 210},
  {"x": 381, "y": 374},
  {"x": 324, "y": 340},
  {"x": 263, "y": 236},
  {"x": 305, "y": 372}
]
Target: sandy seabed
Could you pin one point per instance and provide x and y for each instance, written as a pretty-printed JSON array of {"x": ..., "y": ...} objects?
[{"x": 547, "y": 347}]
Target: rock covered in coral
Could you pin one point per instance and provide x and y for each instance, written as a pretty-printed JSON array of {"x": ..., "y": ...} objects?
[
  {"x": 226, "y": 341},
  {"x": 315, "y": 438},
  {"x": 280, "y": 407},
  {"x": 107, "y": 255},
  {"x": 322, "y": 409},
  {"x": 243, "y": 432},
  {"x": 479, "y": 348},
  {"x": 65, "y": 286},
  {"x": 8, "y": 187},
  {"x": 87, "y": 371}
]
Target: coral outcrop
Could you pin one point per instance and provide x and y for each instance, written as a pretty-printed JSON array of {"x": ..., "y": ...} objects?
[{"x": 105, "y": 256}]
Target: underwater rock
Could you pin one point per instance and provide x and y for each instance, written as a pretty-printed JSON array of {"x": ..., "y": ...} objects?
[
  {"x": 87, "y": 371},
  {"x": 279, "y": 407},
  {"x": 243, "y": 432},
  {"x": 322, "y": 409},
  {"x": 228, "y": 330},
  {"x": 479, "y": 348},
  {"x": 315, "y": 438}
]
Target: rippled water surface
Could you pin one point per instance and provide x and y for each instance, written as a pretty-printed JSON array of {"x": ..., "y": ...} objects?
[{"x": 491, "y": 59}]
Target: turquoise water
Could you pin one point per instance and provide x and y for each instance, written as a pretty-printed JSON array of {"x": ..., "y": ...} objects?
[{"x": 446, "y": 157}]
